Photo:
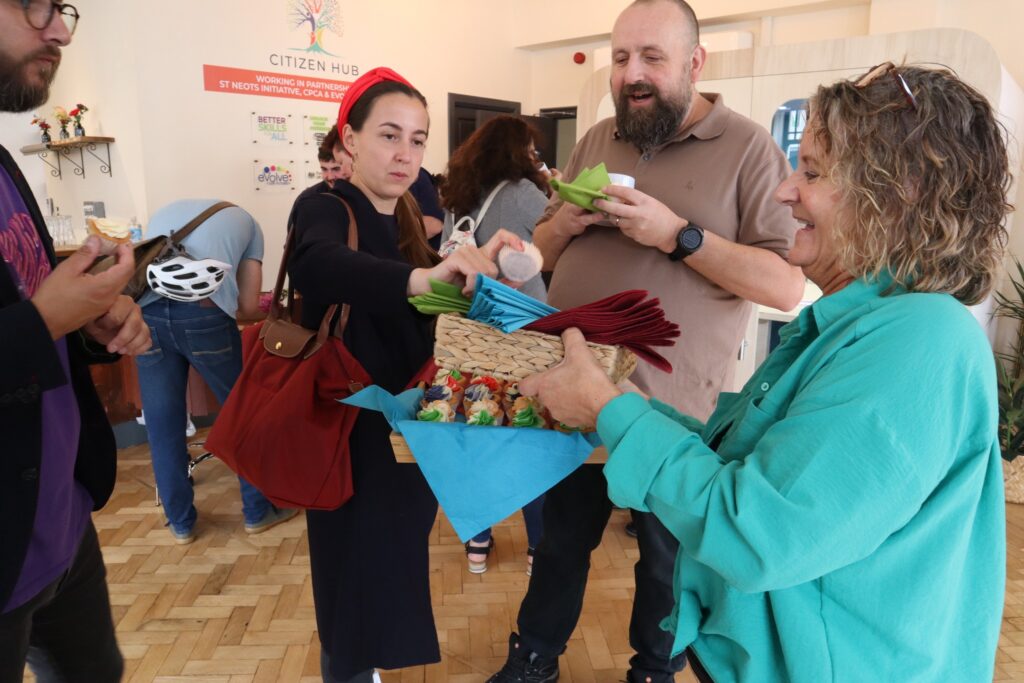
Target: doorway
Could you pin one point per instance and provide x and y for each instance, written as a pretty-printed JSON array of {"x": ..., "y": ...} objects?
[
  {"x": 466, "y": 113},
  {"x": 563, "y": 139}
]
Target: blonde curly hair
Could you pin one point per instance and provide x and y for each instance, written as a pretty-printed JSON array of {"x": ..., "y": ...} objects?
[{"x": 923, "y": 175}]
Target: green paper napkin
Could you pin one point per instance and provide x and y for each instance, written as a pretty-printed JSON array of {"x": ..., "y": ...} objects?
[
  {"x": 585, "y": 189},
  {"x": 442, "y": 298}
]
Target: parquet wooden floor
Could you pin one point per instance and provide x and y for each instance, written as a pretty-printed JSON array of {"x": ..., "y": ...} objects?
[{"x": 232, "y": 608}]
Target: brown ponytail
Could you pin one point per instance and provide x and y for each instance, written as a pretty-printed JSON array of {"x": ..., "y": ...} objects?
[{"x": 412, "y": 233}]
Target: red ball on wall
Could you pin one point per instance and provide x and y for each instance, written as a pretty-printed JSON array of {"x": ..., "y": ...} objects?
[{"x": 579, "y": 58}]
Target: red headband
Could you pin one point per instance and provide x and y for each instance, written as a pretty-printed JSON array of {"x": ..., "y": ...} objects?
[{"x": 361, "y": 85}]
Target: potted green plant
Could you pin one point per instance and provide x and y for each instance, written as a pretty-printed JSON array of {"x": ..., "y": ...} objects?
[{"x": 1009, "y": 368}]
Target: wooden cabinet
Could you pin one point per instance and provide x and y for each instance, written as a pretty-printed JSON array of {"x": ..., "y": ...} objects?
[{"x": 118, "y": 387}]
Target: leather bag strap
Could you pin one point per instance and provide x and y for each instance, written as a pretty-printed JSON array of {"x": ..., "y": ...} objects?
[
  {"x": 282, "y": 272},
  {"x": 178, "y": 235}
]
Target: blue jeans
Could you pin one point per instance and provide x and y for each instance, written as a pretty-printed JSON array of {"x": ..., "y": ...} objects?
[
  {"x": 187, "y": 334},
  {"x": 533, "y": 515}
]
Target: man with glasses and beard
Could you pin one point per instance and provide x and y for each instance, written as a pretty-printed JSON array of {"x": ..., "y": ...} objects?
[
  {"x": 701, "y": 232},
  {"x": 59, "y": 457}
]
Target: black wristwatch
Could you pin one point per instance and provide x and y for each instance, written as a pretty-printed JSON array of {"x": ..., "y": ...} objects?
[{"x": 689, "y": 240}]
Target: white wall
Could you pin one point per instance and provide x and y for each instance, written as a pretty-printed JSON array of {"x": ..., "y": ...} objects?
[
  {"x": 565, "y": 21},
  {"x": 100, "y": 69},
  {"x": 829, "y": 24},
  {"x": 139, "y": 67},
  {"x": 15, "y": 133},
  {"x": 555, "y": 79}
]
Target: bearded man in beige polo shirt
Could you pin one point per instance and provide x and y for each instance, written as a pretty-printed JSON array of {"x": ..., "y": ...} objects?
[{"x": 701, "y": 232}]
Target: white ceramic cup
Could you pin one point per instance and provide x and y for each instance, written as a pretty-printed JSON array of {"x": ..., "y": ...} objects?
[{"x": 622, "y": 179}]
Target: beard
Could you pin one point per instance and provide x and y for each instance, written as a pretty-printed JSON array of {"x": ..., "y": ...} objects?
[
  {"x": 17, "y": 93},
  {"x": 652, "y": 126}
]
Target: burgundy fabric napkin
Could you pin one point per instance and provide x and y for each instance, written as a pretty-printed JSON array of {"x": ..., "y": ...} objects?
[{"x": 626, "y": 319}]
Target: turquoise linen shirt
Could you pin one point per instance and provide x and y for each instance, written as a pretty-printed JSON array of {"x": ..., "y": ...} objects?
[{"x": 842, "y": 517}]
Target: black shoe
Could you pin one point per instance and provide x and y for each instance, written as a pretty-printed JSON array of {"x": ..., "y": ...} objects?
[
  {"x": 631, "y": 529},
  {"x": 525, "y": 667}
]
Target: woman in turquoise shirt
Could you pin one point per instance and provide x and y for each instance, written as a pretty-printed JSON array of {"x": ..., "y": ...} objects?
[{"x": 841, "y": 518}]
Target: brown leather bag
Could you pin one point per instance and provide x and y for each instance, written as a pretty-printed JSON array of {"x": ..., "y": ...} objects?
[{"x": 154, "y": 249}]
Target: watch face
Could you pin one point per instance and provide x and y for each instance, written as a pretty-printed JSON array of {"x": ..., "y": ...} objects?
[{"x": 691, "y": 239}]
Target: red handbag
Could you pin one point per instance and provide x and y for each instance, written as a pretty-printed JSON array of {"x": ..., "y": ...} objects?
[{"x": 282, "y": 428}]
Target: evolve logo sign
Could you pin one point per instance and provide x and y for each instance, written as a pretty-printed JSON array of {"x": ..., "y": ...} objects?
[
  {"x": 271, "y": 175},
  {"x": 315, "y": 17}
]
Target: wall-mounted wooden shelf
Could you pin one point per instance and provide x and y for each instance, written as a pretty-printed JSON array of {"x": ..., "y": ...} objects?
[{"x": 71, "y": 148}]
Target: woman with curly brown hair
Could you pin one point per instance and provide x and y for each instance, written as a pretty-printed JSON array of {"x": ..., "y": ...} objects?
[
  {"x": 841, "y": 518},
  {"x": 493, "y": 178},
  {"x": 499, "y": 158}
]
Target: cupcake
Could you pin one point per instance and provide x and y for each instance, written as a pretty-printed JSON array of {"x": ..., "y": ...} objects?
[
  {"x": 436, "y": 411},
  {"x": 475, "y": 393},
  {"x": 484, "y": 412},
  {"x": 492, "y": 383},
  {"x": 527, "y": 412},
  {"x": 510, "y": 395},
  {"x": 453, "y": 378},
  {"x": 439, "y": 392}
]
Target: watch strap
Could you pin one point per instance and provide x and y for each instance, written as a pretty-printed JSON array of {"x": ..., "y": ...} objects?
[{"x": 682, "y": 251}]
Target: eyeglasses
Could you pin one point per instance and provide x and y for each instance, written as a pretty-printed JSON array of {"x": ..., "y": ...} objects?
[
  {"x": 39, "y": 14},
  {"x": 888, "y": 68}
]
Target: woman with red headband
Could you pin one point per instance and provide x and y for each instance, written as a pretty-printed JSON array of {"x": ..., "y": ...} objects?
[{"x": 369, "y": 558}]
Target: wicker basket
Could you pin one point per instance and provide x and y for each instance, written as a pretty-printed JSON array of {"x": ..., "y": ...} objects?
[
  {"x": 1013, "y": 480},
  {"x": 475, "y": 348}
]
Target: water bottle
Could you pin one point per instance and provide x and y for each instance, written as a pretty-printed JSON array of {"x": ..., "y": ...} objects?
[{"x": 135, "y": 230}]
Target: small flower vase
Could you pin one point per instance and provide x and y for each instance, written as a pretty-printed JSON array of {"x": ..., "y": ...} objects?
[
  {"x": 64, "y": 132},
  {"x": 79, "y": 131},
  {"x": 45, "y": 137}
]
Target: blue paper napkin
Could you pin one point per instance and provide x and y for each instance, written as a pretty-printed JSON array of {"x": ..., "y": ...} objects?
[
  {"x": 503, "y": 307},
  {"x": 480, "y": 475}
]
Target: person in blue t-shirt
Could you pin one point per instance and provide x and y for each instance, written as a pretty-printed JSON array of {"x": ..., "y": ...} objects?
[{"x": 202, "y": 334}]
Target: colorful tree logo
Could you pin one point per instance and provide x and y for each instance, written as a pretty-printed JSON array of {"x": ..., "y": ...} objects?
[{"x": 316, "y": 16}]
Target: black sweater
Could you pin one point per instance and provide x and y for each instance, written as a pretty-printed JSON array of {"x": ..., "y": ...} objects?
[{"x": 385, "y": 333}]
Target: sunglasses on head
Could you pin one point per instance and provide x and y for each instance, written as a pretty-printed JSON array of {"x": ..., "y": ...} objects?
[{"x": 888, "y": 68}]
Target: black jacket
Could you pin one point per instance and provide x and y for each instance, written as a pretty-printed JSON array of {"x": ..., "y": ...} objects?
[
  {"x": 387, "y": 336},
  {"x": 31, "y": 366}
]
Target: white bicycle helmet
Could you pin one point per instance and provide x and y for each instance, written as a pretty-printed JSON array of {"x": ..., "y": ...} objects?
[{"x": 185, "y": 279}]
